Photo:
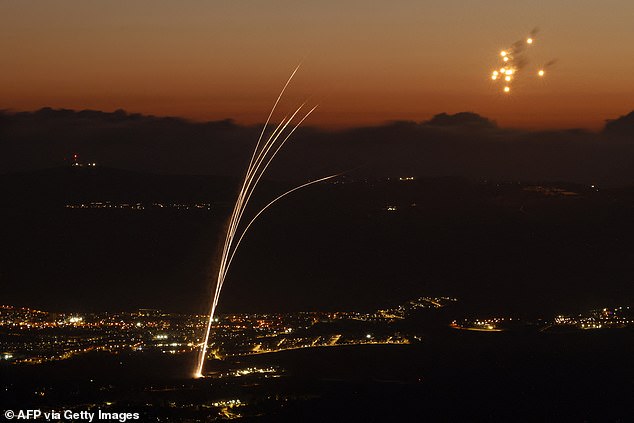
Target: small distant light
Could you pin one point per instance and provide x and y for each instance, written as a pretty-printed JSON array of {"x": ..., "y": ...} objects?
[
  {"x": 368, "y": 336},
  {"x": 507, "y": 89},
  {"x": 540, "y": 73},
  {"x": 529, "y": 41}
]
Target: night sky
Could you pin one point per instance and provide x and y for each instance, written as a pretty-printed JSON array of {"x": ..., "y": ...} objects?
[
  {"x": 363, "y": 62},
  {"x": 439, "y": 207},
  {"x": 168, "y": 98}
]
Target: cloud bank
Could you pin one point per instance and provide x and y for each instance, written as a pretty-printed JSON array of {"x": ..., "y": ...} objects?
[{"x": 463, "y": 144}]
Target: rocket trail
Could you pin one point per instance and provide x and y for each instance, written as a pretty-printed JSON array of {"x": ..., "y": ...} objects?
[
  {"x": 270, "y": 204},
  {"x": 262, "y": 156},
  {"x": 268, "y": 119}
]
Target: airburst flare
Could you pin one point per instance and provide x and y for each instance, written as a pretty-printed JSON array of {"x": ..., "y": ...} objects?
[{"x": 514, "y": 59}]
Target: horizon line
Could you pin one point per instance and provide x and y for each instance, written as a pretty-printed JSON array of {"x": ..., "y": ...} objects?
[{"x": 334, "y": 127}]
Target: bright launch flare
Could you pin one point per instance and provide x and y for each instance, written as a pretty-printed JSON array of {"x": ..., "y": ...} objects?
[
  {"x": 262, "y": 156},
  {"x": 514, "y": 60}
]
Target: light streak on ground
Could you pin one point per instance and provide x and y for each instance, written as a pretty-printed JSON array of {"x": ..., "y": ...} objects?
[
  {"x": 262, "y": 156},
  {"x": 390, "y": 341},
  {"x": 476, "y": 329}
]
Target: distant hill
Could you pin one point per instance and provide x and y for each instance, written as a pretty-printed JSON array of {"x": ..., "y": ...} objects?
[
  {"x": 462, "y": 144},
  {"x": 623, "y": 126},
  {"x": 63, "y": 185}
]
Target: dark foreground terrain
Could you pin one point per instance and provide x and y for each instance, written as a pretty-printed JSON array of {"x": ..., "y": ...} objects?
[
  {"x": 522, "y": 247},
  {"x": 99, "y": 239},
  {"x": 450, "y": 376}
]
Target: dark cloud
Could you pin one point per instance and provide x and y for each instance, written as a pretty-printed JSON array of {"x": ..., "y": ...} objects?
[
  {"x": 462, "y": 144},
  {"x": 48, "y": 137},
  {"x": 462, "y": 120},
  {"x": 621, "y": 127}
]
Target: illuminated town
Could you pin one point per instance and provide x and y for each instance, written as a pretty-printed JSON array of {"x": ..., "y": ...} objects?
[
  {"x": 34, "y": 336},
  {"x": 605, "y": 318},
  {"x": 139, "y": 206},
  {"x": 243, "y": 379}
]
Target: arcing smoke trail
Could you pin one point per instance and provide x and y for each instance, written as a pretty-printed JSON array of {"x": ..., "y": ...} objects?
[{"x": 263, "y": 155}]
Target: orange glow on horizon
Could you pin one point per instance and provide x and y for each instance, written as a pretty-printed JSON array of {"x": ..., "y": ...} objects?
[{"x": 206, "y": 61}]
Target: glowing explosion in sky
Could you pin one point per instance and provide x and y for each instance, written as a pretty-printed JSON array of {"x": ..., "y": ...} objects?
[{"x": 514, "y": 60}]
